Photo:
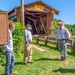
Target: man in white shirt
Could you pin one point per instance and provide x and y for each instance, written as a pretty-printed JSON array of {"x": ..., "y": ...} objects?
[
  {"x": 28, "y": 44},
  {"x": 8, "y": 49},
  {"x": 62, "y": 37}
]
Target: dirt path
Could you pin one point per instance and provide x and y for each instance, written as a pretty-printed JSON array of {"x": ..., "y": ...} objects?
[{"x": 38, "y": 48}]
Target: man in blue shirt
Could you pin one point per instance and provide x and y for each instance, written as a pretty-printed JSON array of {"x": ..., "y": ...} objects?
[
  {"x": 28, "y": 44},
  {"x": 62, "y": 37},
  {"x": 8, "y": 49}
]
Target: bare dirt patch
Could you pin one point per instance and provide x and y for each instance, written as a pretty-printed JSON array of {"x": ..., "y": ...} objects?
[{"x": 38, "y": 48}]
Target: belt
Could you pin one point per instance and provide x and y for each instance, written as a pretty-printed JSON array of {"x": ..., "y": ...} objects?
[{"x": 61, "y": 39}]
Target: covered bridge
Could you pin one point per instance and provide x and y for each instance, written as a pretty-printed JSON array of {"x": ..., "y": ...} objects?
[{"x": 38, "y": 14}]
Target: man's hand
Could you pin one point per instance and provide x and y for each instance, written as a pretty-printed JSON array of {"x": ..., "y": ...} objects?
[
  {"x": 27, "y": 44},
  {"x": 66, "y": 40}
]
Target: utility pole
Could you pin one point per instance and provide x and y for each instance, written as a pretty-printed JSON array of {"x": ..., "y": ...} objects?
[{"x": 22, "y": 13}]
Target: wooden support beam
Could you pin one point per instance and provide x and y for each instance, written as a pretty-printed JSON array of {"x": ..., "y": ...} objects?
[
  {"x": 50, "y": 23},
  {"x": 42, "y": 24},
  {"x": 30, "y": 18},
  {"x": 36, "y": 27},
  {"x": 30, "y": 14},
  {"x": 35, "y": 15},
  {"x": 47, "y": 25},
  {"x": 22, "y": 12}
]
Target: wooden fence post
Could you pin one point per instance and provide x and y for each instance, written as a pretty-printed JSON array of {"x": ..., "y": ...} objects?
[
  {"x": 46, "y": 40},
  {"x": 52, "y": 40},
  {"x": 37, "y": 39},
  {"x": 73, "y": 46}
]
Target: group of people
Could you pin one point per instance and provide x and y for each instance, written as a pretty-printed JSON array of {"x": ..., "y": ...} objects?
[{"x": 62, "y": 37}]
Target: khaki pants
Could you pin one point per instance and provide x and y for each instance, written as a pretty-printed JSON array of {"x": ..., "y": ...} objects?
[{"x": 28, "y": 53}]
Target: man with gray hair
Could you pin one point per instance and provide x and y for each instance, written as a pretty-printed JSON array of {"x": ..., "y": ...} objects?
[{"x": 62, "y": 37}]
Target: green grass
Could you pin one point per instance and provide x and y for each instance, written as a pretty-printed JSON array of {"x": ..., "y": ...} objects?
[{"x": 45, "y": 63}]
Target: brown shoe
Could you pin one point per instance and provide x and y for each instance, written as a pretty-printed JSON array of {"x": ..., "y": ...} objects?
[{"x": 13, "y": 73}]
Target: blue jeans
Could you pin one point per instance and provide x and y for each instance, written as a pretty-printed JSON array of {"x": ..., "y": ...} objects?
[
  {"x": 10, "y": 59},
  {"x": 62, "y": 48}
]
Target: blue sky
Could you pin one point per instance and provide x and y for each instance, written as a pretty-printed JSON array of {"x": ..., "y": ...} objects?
[{"x": 66, "y": 8}]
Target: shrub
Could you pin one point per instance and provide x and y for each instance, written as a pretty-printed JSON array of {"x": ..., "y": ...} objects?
[{"x": 18, "y": 40}]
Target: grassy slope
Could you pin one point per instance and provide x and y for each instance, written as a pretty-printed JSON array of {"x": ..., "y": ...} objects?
[{"x": 45, "y": 63}]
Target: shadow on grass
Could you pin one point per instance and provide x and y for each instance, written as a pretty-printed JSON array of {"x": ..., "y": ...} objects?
[
  {"x": 3, "y": 64},
  {"x": 47, "y": 59},
  {"x": 2, "y": 74},
  {"x": 70, "y": 53},
  {"x": 62, "y": 70},
  {"x": 16, "y": 63},
  {"x": 48, "y": 46},
  {"x": 19, "y": 63}
]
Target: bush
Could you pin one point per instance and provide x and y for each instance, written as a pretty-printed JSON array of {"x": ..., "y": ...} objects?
[
  {"x": 2, "y": 56},
  {"x": 18, "y": 40}
]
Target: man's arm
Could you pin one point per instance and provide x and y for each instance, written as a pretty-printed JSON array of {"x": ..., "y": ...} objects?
[
  {"x": 26, "y": 39},
  {"x": 67, "y": 35}
]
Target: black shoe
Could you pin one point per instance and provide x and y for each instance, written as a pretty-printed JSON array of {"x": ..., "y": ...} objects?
[
  {"x": 25, "y": 63},
  {"x": 62, "y": 58}
]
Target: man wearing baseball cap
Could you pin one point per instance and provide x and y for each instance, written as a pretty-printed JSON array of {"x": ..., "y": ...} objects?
[{"x": 28, "y": 44}]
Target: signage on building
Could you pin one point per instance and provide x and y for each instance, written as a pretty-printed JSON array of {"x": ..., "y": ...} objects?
[
  {"x": 53, "y": 12},
  {"x": 4, "y": 35},
  {"x": 39, "y": 7}
]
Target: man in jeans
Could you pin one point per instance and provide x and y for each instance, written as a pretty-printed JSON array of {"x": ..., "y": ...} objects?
[
  {"x": 8, "y": 49},
  {"x": 62, "y": 37},
  {"x": 28, "y": 45}
]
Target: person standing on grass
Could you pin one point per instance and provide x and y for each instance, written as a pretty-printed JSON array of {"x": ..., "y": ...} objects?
[
  {"x": 28, "y": 45},
  {"x": 8, "y": 49},
  {"x": 62, "y": 37}
]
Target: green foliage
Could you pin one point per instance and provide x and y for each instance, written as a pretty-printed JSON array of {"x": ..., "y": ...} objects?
[
  {"x": 18, "y": 37},
  {"x": 2, "y": 56},
  {"x": 56, "y": 24},
  {"x": 3, "y": 11}
]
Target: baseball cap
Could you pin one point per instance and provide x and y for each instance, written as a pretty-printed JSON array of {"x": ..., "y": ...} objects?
[{"x": 28, "y": 25}]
